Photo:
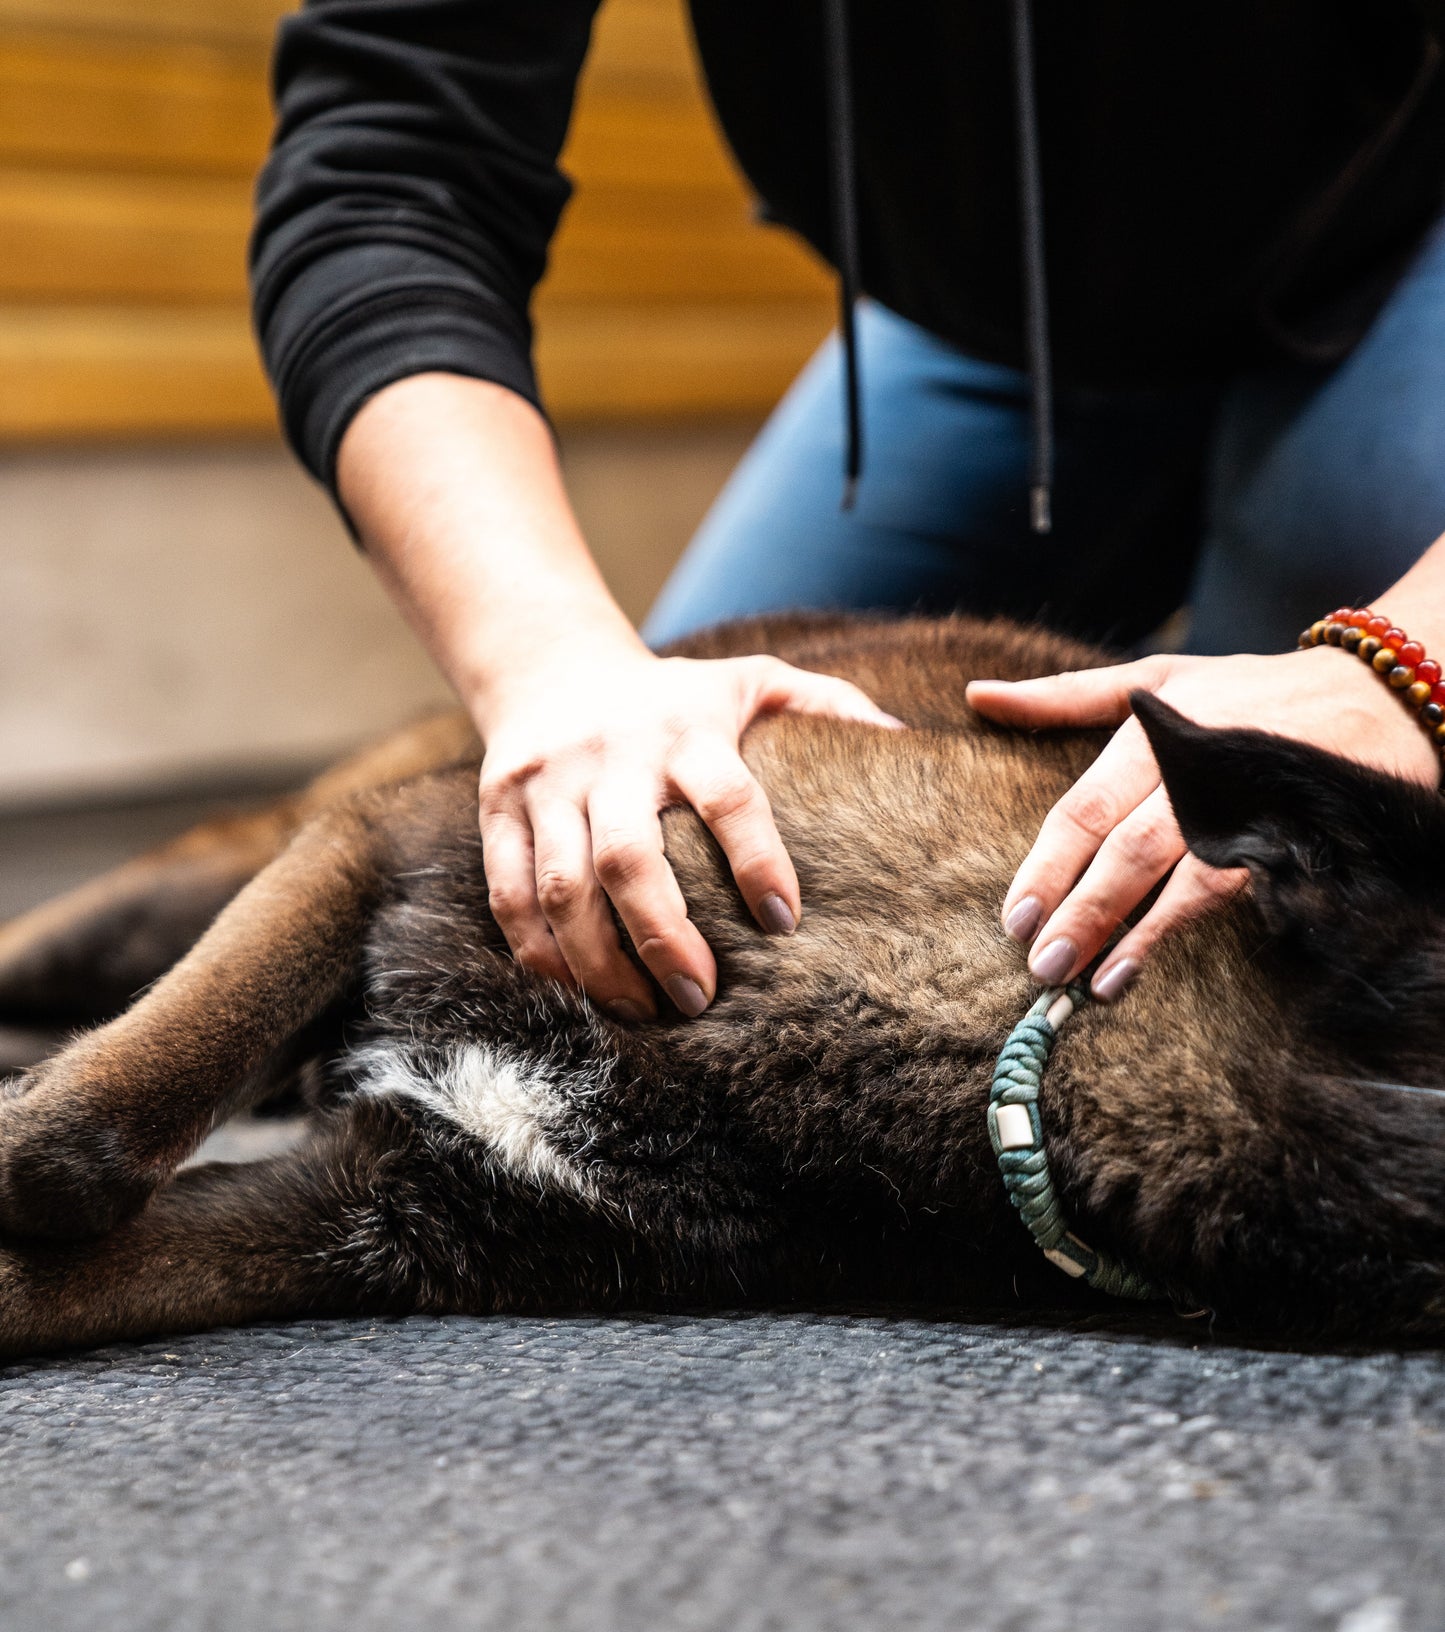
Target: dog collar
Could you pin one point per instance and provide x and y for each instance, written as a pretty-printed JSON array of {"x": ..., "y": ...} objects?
[{"x": 1017, "y": 1136}]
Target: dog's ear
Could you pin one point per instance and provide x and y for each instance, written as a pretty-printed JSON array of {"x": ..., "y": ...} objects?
[{"x": 1333, "y": 848}]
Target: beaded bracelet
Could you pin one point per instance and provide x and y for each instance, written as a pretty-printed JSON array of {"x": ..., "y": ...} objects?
[{"x": 1399, "y": 661}]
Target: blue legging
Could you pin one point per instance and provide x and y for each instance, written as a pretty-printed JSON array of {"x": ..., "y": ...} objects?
[{"x": 1261, "y": 504}]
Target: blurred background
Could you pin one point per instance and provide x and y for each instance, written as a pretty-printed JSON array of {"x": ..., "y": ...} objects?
[{"x": 182, "y": 612}]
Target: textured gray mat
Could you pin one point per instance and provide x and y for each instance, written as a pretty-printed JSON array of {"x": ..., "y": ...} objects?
[{"x": 740, "y": 1473}]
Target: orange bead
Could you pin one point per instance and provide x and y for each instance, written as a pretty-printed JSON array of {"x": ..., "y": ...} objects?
[
  {"x": 1358, "y": 619},
  {"x": 1394, "y": 638},
  {"x": 1376, "y": 625}
]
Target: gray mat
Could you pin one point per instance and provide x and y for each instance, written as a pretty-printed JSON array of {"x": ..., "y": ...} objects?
[{"x": 740, "y": 1473}]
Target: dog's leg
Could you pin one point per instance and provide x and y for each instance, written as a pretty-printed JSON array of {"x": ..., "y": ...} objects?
[
  {"x": 93, "y": 1131},
  {"x": 221, "y": 1245},
  {"x": 82, "y": 958},
  {"x": 378, "y": 1214}
]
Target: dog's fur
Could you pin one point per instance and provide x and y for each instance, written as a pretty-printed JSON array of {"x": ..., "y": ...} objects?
[{"x": 1254, "y": 1126}]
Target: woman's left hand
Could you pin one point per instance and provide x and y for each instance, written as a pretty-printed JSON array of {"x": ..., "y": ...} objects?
[{"x": 1112, "y": 837}]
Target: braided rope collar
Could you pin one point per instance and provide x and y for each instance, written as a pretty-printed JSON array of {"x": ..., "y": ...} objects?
[{"x": 1017, "y": 1136}]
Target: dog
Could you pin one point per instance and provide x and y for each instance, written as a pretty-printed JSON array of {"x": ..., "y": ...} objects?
[{"x": 1256, "y": 1128}]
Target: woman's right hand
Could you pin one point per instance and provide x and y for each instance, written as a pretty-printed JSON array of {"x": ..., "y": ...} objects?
[
  {"x": 584, "y": 748},
  {"x": 455, "y": 486}
]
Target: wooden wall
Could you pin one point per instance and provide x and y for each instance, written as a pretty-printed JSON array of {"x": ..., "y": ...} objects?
[{"x": 130, "y": 131}]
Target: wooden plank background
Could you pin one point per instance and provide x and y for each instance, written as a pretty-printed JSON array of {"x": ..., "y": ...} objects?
[{"x": 130, "y": 133}]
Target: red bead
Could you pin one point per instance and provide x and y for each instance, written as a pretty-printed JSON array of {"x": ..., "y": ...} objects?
[
  {"x": 1428, "y": 671},
  {"x": 1394, "y": 638},
  {"x": 1342, "y": 615},
  {"x": 1377, "y": 626},
  {"x": 1410, "y": 653},
  {"x": 1358, "y": 619},
  {"x": 1437, "y": 695}
]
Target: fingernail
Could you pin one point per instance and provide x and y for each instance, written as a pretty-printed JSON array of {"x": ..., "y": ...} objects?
[
  {"x": 1051, "y": 966},
  {"x": 1023, "y": 918},
  {"x": 628, "y": 1012},
  {"x": 1110, "y": 982},
  {"x": 776, "y": 916},
  {"x": 892, "y": 722},
  {"x": 686, "y": 994}
]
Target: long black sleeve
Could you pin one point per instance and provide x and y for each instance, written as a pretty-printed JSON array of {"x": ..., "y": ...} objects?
[
  {"x": 404, "y": 214},
  {"x": 1224, "y": 185}
]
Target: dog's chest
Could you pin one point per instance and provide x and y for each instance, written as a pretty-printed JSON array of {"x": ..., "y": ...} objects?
[{"x": 528, "y": 1117}]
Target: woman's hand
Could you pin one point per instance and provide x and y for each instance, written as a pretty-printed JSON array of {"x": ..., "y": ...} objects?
[
  {"x": 583, "y": 750},
  {"x": 1113, "y": 837}
]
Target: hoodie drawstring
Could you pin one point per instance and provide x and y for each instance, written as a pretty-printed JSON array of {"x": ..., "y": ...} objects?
[
  {"x": 1036, "y": 289},
  {"x": 845, "y": 229},
  {"x": 843, "y": 156}
]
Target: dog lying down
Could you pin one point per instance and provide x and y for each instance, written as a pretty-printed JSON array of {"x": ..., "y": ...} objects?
[{"x": 1256, "y": 1129}]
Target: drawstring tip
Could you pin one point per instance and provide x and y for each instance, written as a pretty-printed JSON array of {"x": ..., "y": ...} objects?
[
  {"x": 1041, "y": 516},
  {"x": 850, "y": 492}
]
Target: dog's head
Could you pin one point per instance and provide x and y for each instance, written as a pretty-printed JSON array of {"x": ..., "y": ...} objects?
[{"x": 1348, "y": 871}]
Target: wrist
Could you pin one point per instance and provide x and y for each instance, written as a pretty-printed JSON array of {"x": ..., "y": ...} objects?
[
  {"x": 1417, "y": 601},
  {"x": 1424, "y": 620},
  {"x": 1395, "y": 684},
  {"x": 556, "y": 651}
]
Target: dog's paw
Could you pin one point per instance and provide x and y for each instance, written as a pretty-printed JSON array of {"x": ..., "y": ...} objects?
[{"x": 64, "y": 1173}]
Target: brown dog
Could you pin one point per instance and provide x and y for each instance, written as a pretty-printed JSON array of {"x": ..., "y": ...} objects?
[{"x": 1255, "y": 1127}]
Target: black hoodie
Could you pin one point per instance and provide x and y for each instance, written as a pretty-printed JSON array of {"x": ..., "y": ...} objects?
[{"x": 1224, "y": 181}]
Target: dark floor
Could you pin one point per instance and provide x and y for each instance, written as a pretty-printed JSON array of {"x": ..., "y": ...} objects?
[{"x": 737, "y": 1473}]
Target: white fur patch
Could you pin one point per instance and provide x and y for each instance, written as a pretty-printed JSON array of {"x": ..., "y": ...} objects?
[{"x": 503, "y": 1101}]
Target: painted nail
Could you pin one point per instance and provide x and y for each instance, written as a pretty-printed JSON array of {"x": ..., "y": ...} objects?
[
  {"x": 686, "y": 994},
  {"x": 1051, "y": 966},
  {"x": 1023, "y": 918},
  {"x": 628, "y": 1012},
  {"x": 1110, "y": 982},
  {"x": 777, "y": 917}
]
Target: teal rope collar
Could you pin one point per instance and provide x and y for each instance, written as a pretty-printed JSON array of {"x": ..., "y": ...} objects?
[{"x": 1017, "y": 1136}]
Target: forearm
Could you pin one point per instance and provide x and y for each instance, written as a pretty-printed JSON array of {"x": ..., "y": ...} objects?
[{"x": 455, "y": 487}]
